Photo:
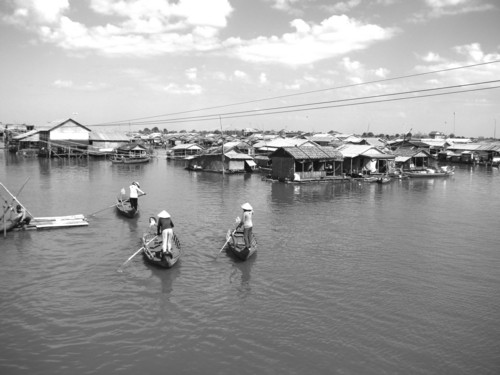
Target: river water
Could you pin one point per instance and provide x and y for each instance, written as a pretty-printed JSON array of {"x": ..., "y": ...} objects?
[{"x": 350, "y": 278}]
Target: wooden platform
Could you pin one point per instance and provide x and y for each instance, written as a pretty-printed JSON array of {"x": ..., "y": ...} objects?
[{"x": 53, "y": 222}]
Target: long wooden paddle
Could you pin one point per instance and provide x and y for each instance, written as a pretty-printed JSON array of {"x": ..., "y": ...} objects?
[
  {"x": 134, "y": 254},
  {"x": 14, "y": 199},
  {"x": 8, "y": 206},
  {"x": 237, "y": 220},
  {"x": 107, "y": 208}
]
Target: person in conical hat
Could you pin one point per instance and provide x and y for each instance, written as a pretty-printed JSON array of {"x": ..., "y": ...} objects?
[
  {"x": 246, "y": 221},
  {"x": 165, "y": 228},
  {"x": 135, "y": 192}
]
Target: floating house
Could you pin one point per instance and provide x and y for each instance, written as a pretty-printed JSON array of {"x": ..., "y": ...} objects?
[
  {"x": 132, "y": 150},
  {"x": 306, "y": 163},
  {"x": 365, "y": 159},
  {"x": 104, "y": 143},
  {"x": 229, "y": 162},
  {"x": 408, "y": 159},
  {"x": 182, "y": 151}
]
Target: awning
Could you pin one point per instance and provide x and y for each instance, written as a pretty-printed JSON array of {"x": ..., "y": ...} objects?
[{"x": 250, "y": 163}]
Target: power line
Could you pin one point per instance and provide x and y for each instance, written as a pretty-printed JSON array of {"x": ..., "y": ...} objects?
[
  {"x": 323, "y": 104},
  {"x": 122, "y": 122}
]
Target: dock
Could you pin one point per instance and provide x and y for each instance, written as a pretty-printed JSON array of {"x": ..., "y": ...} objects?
[{"x": 52, "y": 222}]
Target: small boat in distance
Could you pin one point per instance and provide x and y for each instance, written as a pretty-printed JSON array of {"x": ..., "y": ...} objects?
[
  {"x": 152, "y": 248},
  {"x": 130, "y": 159},
  {"x": 429, "y": 172},
  {"x": 123, "y": 205},
  {"x": 236, "y": 245}
]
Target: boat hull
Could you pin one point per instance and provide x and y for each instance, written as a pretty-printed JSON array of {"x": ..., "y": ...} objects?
[
  {"x": 126, "y": 160},
  {"x": 124, "y": 208},
  {"x": 8, "y": 225},
  {"x": 236, "y": 245},
  {"x": 152, "y": 251}
]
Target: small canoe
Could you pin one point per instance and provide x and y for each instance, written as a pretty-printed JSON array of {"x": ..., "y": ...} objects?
[
  {"x": 152, "y": 251},
  {"x": 124, "y": 207},
  {"x": 236, "y": 245}
]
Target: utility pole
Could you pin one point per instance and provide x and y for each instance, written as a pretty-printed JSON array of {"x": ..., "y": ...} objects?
[
  {"x": 453, "y": 122},
  {"x": 222, "y": 137}
]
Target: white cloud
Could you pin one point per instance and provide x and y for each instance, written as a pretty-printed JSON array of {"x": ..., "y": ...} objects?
[
  {"x": 309, "y": 43},
  {"x": 284, "y": 5},
  {"x": 432, "y": 57},
  {"x": 88, "y": 86},
  {"x": 191, "y": 89},
  {"x": 139, "y": 27},
  {"x": 442, "y": 8},
  {"x": 191, "y": 74},
  {"x": 263, "y": 78},
  {"x": 344, "y": 6}
]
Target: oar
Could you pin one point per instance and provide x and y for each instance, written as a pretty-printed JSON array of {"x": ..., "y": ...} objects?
[
  {"x": 14, "y": 196},
  {"x": 134, "y": 254},
  {"x": 229, "y": 238},
  {"x": 107, "y": 208},
  {"x": 8, "y": 206}
]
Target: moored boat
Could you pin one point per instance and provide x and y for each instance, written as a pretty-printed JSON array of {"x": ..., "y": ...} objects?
[
  {"x": 384, "y": 180},
  {"x": 124, "y": 207},
  {"x": 152, "y": 249},
  {"x": 130, "y": 159},
  {"x": 429, "y": 173},
  {"x": 236, "y": 244}
]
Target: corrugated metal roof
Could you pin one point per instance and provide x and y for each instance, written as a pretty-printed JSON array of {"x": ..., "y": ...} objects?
[
  {"x": 109, "y": 136},
  {"x": 465, "y": 147},
  {"x": 313, "y": 152},
  {"x": 281, "y": 142},
  {"x": 351, "y": 150},
  {"x": 186, "y": 146}
]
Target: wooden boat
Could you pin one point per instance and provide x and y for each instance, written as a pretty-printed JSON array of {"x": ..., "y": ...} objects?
[
  {"x": 152, "y": 250},
  {"x": 384, "y": 180},
  {"x": 6, "y": 225},
  {"x": 130, "y": 159},
  {"x": 429, "y": 173},
  {"x": 236, "y": 245},
  {"x": 124, "y": 207}
]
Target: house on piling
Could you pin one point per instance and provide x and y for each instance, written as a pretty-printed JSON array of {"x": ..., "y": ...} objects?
[
  {"x": 229, "y": 162},
  {"x": 67, "y": 139},
  {"x": 306, "y": 163}
]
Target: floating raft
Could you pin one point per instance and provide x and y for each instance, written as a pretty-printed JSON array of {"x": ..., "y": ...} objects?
[{"x": 55, "y": 222}]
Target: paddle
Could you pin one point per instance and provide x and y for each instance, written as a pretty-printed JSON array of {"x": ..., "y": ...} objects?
[
  {"x": 14, "y": 197},
  {"x": 13, "y": 200},
  {"x": 107, "y": 208},
  {"x": 134, "y": 254},
  {"x": 237, "y": 220}
]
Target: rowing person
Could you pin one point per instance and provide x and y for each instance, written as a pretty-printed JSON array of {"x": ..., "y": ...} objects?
[
  {"x": 165, "y": 228},
  {"x": 135, "y": 192},
  {"x": 246, "y": 222}
]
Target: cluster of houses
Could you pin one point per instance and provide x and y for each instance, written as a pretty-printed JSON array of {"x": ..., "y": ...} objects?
[{"x": 283, "y": 156}]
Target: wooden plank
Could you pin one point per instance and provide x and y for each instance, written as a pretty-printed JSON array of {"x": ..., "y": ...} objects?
[{"x": 53, "y": 218}]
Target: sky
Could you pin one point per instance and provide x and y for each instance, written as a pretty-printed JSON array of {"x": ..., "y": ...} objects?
[{"x": 354, "y": 66}]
